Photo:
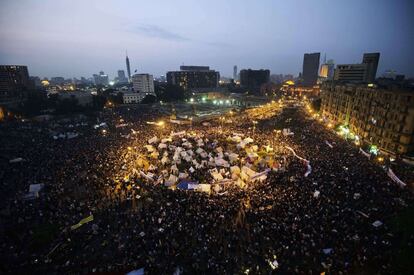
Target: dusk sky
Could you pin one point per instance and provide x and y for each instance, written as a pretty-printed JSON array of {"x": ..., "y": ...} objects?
[{"x": 78, "y": 38}]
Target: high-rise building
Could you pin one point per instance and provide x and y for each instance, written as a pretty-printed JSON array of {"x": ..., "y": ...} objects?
[
  {"x": 194, "y": 77},
  {"x": 371, "y": 59},
  {"x": 254, "y": 78},
  {"x": 327, "y": 70},
  {"x": 121, "y": 77},
  {"x": 143, "y": 84},
  {"x": 14, "y": 82},
  {"x": 101, "y": 78},
  {"x": 121, "y": 74},
  {"x": 128, "y": 67},
  {"x": 310, "y": 68},
  {"x": 235, "y": 73}
]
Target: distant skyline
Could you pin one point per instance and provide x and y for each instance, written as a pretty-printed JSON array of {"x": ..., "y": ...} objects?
[{"x": 79, "y": 38}]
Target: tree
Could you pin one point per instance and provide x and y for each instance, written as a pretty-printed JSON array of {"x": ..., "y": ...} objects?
[
  {"x": 36, "y": 101},
  {"x": 98, "y": 102},
  {"x": 149, "y": 99},
  {"x": 316, "y": 104},
  {"x": 118, "y": 98},
  {"x": 68, "y": 106},
  {"x": 170, "y": 93}
]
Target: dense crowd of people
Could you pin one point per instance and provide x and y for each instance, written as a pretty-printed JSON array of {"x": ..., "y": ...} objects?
[{"x": 336, "y": 219}]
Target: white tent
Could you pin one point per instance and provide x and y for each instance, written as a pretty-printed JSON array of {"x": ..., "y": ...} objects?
[
  {"x": 233, "y": 157},
  {"x": 153, "y": 140},
  {"x": 248, "y": 140},
  {"x": 150, "y": 148},
  {"x": 204, "y": 188},
  {"x": 171, "y": 180},
  {"x": 16, "y": 160},
  {"x": 155, "y": 154},
  {"x": 164, "y": 160},
  {"x": 216, "y": 176},
  {"x": 162, "y": 146}
]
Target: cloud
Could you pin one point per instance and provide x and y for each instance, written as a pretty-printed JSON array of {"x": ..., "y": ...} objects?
[{"x": 158, "y": 32}]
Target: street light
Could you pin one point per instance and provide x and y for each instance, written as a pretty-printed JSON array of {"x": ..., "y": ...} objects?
[{"x": 254, "y": 126}]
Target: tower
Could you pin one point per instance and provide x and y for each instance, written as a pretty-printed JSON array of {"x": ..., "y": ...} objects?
[
  {"x": 235, "y": 73},
  {"x": 310, "y": 68},
  {"x": 128, "y": 67},
  {"x": 371, "y": 59}
]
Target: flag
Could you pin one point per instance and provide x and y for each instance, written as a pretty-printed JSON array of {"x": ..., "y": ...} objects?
[{"x": 82, "y": 222}]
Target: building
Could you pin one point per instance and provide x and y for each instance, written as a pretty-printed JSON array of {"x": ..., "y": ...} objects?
[
  {"x": 143, "y": 84},
  {"x": 132, "y": 98},
  {"x": 351, "y": 73},
  {"x": 101, "y": 79},
  {"x": 194, "y": 77},
  {"x": 235, "y": 73},
  {"x": 14, "y": 84},
  {"x": 310, "y": 68},
  {"x": 36, "y": 81},
  {"x": 121, "y": 78},
  {"x": 372, "y": 60},
  {"x": 300, "y": 90},
  {"x": 364, "y": 72},
  {"x": 195, "y": 68},
  {"x": 327, "y": 70},
  {"x": 380, "y": 116},
  {"x": 83, "y": 98},
  {"x": 253, "y": 79},
  {"x": 57, "y": 80},
  {"x": 128, "y": 67}
]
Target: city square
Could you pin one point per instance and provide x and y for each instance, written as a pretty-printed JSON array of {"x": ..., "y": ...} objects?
[{"x": 332, "y": 219}]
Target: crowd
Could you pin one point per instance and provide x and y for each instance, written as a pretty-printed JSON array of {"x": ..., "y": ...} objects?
[{"x": 336, "y": 219}]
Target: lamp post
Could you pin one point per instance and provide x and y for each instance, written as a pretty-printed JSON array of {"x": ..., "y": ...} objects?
[{"x": 254, "y": 126}]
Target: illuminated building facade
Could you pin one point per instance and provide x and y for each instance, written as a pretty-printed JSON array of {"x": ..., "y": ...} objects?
[
  {"x": 327, "y": 70},
  {"x": 383, "y": 117},
  {"x": 299, "y": 90},
  {"x": 143, "y": 84},
  {"x": 193, "y": 77},
  {"x": 14, "y": 83},
  {"x": 131, "y": 98}
]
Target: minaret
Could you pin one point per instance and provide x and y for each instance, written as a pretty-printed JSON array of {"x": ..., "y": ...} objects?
[{"x": 128, "y": 67}]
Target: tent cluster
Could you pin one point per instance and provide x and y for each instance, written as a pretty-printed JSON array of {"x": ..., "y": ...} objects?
[{"x": 193, "y": 161}]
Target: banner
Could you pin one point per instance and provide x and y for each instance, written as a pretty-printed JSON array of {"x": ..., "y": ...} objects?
[
  {"x": 391, "y": 174},
  {"x": 364, "y": 153},
  {"x": 307, "y": 162},
  {"x": 82, "y": 222}
]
